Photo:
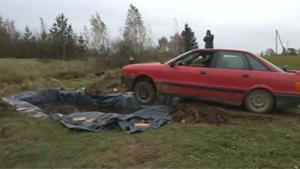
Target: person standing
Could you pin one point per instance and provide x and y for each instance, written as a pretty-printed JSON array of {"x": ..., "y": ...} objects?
[{"x": 209, "y": 40}]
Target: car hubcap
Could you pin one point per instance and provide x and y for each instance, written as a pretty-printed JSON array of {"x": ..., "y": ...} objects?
[
  {"x": 144, "y": 94},
  {"x": 259, "y": 101}
]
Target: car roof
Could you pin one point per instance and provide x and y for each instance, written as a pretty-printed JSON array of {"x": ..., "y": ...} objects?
[{"x": 225, "y": 50}]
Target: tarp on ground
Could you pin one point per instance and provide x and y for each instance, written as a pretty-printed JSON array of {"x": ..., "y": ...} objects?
[{"x": 143, "y": 118}]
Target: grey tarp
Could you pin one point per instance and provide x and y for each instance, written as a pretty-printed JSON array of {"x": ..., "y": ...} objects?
[{"x": 32, "y": 103}]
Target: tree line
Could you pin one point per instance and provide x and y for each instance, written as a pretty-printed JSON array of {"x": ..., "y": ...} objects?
[{"x": 61, "y": 42}]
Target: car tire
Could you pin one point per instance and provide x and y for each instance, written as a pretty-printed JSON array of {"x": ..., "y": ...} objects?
[
  {"x": 145, "y": 92},
  {"x": 259, "y": 101}
]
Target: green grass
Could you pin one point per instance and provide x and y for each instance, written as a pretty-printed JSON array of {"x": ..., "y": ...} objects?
[
  {"x": 293, "y": 62},
  {"x": 34, "y": 143}
]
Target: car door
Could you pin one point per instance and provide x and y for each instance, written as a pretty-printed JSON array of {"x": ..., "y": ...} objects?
[
  {"x": 230, "y": 77},
  {"x": 187, "y": 80}
]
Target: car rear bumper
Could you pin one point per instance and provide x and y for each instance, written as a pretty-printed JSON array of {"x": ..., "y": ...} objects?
[
  {"x": 128, "y": 81},
  {"x": 287, "y": 100}
]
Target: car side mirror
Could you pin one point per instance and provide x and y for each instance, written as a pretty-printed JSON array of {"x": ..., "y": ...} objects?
[
  {"x": 172, "y": 64},
  {"x": 285, "y": 68}
]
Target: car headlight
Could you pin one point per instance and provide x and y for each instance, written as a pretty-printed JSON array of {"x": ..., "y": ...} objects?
[{"x": 297, "y": 86}]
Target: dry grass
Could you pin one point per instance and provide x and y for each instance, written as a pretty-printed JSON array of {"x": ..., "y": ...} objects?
[
  {"x": 16, "y": 70},
  {"x": 27, "y": 74}
]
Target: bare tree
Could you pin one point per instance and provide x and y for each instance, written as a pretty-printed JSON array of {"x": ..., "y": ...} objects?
[
  {"x": 98, "y": 33},
  {"x": 176, "y": 44},
  {"x": 135, "y": 32},
  {"x": 163, "y": 44}
]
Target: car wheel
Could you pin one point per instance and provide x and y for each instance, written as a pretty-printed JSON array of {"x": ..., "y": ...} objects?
[
  {"x": 259, "y": 101},
  {"x": 144, "y": 92}
]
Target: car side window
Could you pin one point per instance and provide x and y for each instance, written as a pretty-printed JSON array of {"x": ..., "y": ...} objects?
[
  {"x": 197, "y": 59},
  {"x": 256, "y": 65},
  {"x": 232, "y": 60}
]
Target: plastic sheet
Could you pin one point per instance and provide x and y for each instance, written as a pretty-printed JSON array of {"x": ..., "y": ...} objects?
[{"x": 143, "y": 118}]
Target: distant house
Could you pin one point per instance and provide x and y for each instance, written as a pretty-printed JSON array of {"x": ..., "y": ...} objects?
[{"x": 291, "y": 52}]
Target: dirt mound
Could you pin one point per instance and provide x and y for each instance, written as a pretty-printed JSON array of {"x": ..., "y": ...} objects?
[
  {"x": 110, "y": 84},
  {"x": 192, "y": 111},
  {"x": 196, "y": 112}
]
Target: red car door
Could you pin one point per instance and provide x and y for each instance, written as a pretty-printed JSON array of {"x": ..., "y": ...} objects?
[
  {"x": 188, "y": 77},
  {"x": 232, "y": 76}
]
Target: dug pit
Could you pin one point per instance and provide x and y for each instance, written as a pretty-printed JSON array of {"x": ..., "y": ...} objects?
[
  {"x": 83, "y": 111},
  {"x": 66, "y": 109}
]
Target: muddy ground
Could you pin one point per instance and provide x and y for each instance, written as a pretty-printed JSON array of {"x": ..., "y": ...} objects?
[
  {"x": 110, "y": 84},
  {"x": 186, "y": 111},
  {"x": 192, "y": 111}
]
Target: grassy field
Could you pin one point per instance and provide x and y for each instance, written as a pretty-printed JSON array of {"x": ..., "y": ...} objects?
[
  {"x": 293, "y": 62},
  {"x": 34, "y": 143},
  {"x": 27, "y": 74}
]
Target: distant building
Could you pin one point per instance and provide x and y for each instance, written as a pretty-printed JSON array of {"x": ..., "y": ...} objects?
[{"x": 291, "y": 52}]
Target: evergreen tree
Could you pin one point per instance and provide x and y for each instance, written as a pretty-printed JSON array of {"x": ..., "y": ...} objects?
[
  {"x": 261, "y": 54},
  {"x": 28, "y": 35},
  {"x": 5, "y": 41},
  {"x": 190, "y": 41},
  {"x": 28, "y": 44},
  {"x": 134, "y": 34},
  {"x": 62, "y": 37},
  {"x": 82, "y": 44}
]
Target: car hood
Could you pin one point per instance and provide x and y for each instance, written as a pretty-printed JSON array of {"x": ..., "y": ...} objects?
[{"x": 142, "y": 65}]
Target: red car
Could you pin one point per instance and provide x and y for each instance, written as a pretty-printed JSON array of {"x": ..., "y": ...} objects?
[{"x": 227, "y": 76}]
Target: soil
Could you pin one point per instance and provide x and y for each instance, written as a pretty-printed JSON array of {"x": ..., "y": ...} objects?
[
  {"x": 110, "y": 84},
  {"x": 193, "y": 111}
]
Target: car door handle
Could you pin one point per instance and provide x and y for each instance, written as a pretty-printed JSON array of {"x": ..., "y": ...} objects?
[
  {"x": 203, "y": 72},
  {"x": 245, "y": 76}
]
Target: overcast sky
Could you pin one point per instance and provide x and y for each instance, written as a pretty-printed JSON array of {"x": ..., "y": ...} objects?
[{"x": 238, "y": 24}]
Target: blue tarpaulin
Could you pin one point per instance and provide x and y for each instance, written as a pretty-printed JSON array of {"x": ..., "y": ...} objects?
[{"x": 143, "y": 118}]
